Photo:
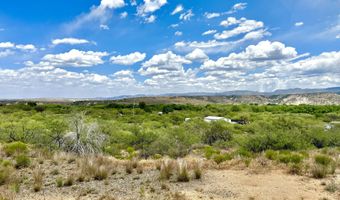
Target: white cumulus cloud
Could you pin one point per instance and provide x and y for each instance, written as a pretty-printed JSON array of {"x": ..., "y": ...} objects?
[
  {"x": 129, "y": 59},
  {"x": 75, "y": 58},
  {"x": 70, "y": 41},
  {"x": 197, "y": 55}
]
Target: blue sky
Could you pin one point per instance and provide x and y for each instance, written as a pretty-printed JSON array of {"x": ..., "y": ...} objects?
[{"x": 103, "y": 48}]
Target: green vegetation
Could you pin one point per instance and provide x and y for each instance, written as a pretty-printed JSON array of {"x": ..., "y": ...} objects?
[
  {"x": 116, "y": 129},
  {"x": 22, "y": 161},
  {"x": 15, "y": 148}
]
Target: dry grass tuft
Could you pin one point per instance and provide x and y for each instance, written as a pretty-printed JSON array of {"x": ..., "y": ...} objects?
[
  {"x": 167, "y": 168},
  {"x": 98, "y": 168},
  {"x": 69, "y": 181},
  {"x": 129, "y": 167},
  {"x": 197, "y": 168},
  {"x": 38, "y": 176},
  {"x": 182, "y": 171}
]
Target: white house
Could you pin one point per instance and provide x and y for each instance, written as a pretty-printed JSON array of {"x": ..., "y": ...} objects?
[{"x": 215, "y": 118}]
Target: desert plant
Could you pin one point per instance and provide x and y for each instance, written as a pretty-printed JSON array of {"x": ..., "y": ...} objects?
[
  {"x": 197, "y": 168},
  {"x": 319, "y": 171},
  {"x": 59, "y": 182},
  {"x": 15, "y": 148},
  {"x": 209, "y": 151},
  {"x": 219, "y": 158},
  {"x": 6, "y": 163},
  {"x": 134, "y": 163},
  {"x": 182, "y": 172},
  {"x": 139, "y": 169},
  {"x": 22, "y": 161},
  {"x": 5, "y": 175},
  {"x": 332, "y": 187},
  {"x": 296, "y": 168},
  {"x": 85, "y": 138},
  {"x": 129, "y": 167},
  {"x": 37, "y": 179},
  {"x": 323, "y": 160},
  {"x": 167, "y": 168},
  {"x": 55, "y": 172},
  {"x": 69, "y": 180},
  {"x": 101, "y": 173}
]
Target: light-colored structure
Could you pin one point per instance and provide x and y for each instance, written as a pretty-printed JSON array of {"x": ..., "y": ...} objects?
[{"x": 215, "y": 118}]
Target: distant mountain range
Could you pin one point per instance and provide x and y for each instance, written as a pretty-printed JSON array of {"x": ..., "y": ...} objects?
[
  {"x": 325, "y": 96},
  {"x": 335, "y": 90}
]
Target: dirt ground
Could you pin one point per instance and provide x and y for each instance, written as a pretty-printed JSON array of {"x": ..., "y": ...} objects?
[{"x": 215, "y": 184}]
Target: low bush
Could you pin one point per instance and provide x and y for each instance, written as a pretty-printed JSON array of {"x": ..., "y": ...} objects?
[
  {"x": 59, "y": 182},
  {"x": 15, "y": 148},
  {"x": 222, "y": 158},
  {"x": 319, "y": 171},
  {"x": 271, "y": 154},
  {"x": 5, "y": 175},
  {"x": 22, "y": 161},
  {"x": 296, "y": 168},
  {"x": 323, "y": 160},
  {"x": 209, "y": 151},
  {"x": 290, "y": 158},
  {"x": 332, "y": 187},
  {"x": 6, "y": 163}
]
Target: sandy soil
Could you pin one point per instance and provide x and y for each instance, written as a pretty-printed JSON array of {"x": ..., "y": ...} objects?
[{"x": 216, "y": 184}]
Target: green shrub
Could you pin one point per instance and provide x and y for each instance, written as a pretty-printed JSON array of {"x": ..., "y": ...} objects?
[
  {"x": 6, "y": 163},
  {"x": 296, "y": 158},
  {"x": 284, "y": 158},
  {"x": 222, "y": 157},
  {"x": 244, "y": 153},
  {"x": 323, "y": 160},
  {"x": 209, "y": 151},
  {"x": 59, "y": 182},
  {"x": 296, "y": 168},
  {"x": 5, "y": 175},
  {"x": 287, "y": 157},
  {"x": 271, "y": 154},
  {"x": 218, "y": 131},
  {"x": 15, "y": 148},
  {"x": 22, "y": 161}
]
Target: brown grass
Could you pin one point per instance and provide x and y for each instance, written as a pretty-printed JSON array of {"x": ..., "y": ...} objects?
[
  {"x": 166, "y": 170},
  {"x": 38, "y": 176}
]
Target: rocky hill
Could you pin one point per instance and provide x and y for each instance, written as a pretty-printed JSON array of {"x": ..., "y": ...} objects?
[{"x": 291, "y": 99}]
